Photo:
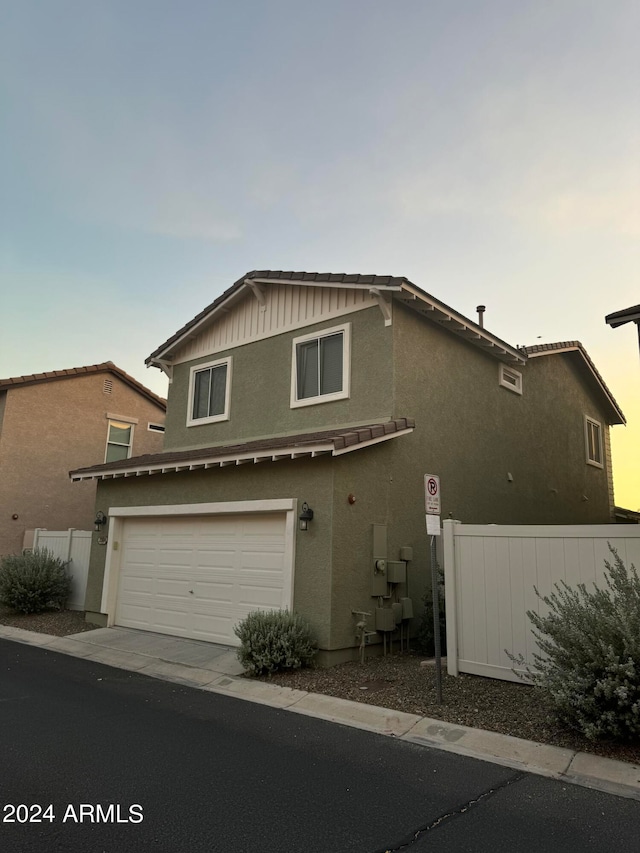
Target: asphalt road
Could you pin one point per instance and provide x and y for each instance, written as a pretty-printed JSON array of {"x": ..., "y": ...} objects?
[{"x": 129, "y": 763}]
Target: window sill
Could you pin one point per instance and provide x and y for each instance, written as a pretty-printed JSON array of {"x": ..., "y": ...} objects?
[
  {"x": 215, "y": 419},
  {"x": 314, "y": 401}
]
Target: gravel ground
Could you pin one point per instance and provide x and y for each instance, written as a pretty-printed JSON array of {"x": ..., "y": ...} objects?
[
  {"x": 61, "y": 623},
  {"x": 400, "y": 682}
]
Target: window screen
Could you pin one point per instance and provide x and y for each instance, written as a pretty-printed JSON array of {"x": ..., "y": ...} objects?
[
  {"x": 319, "y": 366},
  {"x": 209, "y": 392}
]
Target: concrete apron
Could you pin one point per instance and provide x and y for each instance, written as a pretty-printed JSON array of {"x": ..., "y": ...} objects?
[{"x": 217, "y": 669}]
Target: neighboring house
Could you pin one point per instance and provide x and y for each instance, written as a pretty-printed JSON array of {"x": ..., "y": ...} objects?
[
  {"x": 333, "y": 395},
  {"x": 627, "y": 315},
  {"x": 50, "y": 422}
]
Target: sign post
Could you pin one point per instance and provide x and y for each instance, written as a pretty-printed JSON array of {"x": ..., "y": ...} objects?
[{"x": 432, "y": 507}]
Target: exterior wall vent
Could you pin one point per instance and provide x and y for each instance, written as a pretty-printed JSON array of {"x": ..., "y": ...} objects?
[{"x": 108, "y": 386}]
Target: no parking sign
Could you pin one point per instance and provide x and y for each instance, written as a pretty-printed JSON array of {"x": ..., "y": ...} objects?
[{"x": 432, "y": 493}]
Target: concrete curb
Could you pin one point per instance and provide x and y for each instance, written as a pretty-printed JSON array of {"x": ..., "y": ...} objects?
[{"x": 577, "y": 768}]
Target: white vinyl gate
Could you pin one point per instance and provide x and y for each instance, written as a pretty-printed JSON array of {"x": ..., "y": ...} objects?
[
  {"x": 490, "y": 575},
  {"x": 74, "y": 547}
]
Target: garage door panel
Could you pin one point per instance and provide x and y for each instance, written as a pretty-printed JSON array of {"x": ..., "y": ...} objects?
[
  {"x": 138, "y": 584},
  {"x": 210, "y": 559},
  {"x": 198, "y": 577},
  {"x": 176, "y": 588},
  {"x": 254, "y": 597}
]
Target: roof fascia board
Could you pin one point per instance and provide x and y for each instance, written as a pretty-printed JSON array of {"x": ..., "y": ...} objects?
[
  {"x": 464, "y": 325},
  {"x": 194, "y": 463},
  {"x": 554, "y": 351},
  {"x": 193, "y": 331},
  {"x": 340, "y": 285}
]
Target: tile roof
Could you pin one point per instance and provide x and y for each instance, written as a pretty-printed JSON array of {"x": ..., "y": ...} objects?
[
  {"x": 282, "y": 276},
  {"x": 335, "y": 441},
  {"x": 576, "y": 346},
  {"x": 73, "y": 372},
  {"x": 437, "y": 310}
]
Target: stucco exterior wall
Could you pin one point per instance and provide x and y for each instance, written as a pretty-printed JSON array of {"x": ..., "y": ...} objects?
[
  {"x": 502, "y": 457},
  {"x": 261, "y": 388},
  {"x": 50, "y": 428},
  {"x": 474, "y": 432}
]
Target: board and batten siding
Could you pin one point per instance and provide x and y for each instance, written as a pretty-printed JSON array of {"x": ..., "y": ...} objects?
[
  {"x": 490, "y": 575},
  {"x": 286, "y": 307}
]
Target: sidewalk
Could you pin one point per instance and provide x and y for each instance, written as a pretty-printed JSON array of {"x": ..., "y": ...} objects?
[{"x": 216, "y": 668}]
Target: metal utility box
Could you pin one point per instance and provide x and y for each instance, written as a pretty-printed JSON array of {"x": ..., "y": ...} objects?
[
  {"x": 379, "y": 556},
  {"x": 407, "y": 608},
  {"x": 396, "y": 571},
  {"x": 385, "y": 620},
  {"x": 396, "y": 607}
]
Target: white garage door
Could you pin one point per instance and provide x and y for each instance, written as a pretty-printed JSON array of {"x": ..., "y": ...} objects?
[{"x": 198, "y": 576}]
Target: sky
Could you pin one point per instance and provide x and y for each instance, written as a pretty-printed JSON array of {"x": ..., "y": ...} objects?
[{"x": 151, "y": 152}]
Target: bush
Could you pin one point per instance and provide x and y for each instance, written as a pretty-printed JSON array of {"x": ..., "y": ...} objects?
[
  {"x": 34, "y": 582},
  {"x": 272, "y": 640},
  {"x": 589, "y": 663},
  {"x": 424, "y": 636}
]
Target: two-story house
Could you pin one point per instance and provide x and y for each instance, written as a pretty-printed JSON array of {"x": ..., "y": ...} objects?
[
  {"x": 304, "y": 411},
  {"x": 51, "y": 422}
]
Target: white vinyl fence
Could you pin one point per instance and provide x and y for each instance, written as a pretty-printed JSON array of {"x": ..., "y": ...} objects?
[
  {"x": 74, "y": 547},
  {"x": 490, "y": 575}
]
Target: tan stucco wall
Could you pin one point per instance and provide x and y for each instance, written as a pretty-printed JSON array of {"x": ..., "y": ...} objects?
[
  {"x": 50, "y": 428},
  {"x": 261, "y": 388}
]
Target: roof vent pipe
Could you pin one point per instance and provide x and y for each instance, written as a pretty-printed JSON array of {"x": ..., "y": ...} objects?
[{"x": 481, "y": 309}]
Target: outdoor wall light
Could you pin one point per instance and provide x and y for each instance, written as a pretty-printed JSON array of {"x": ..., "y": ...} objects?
[
  {"x": 305, "y": 516},
  {"x": 101, "y": 519}
]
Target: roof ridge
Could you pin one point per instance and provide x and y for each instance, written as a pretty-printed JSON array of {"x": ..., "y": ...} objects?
[{"x": 71, "y": 372}]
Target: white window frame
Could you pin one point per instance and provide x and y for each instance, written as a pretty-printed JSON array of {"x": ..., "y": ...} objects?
[
  {"x": 197, "y": 368},
  {"x": 589, "y": 423},
  {"x": 516, "y": 385},
  {"x": 345, "y": 329},
  {"x": 121, "y": 422}
]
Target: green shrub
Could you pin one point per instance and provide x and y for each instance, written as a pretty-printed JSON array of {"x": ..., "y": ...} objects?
[
  {"x": 589, "y": 661},
  {"x": 272, "y": 640},
  {"x": 424, "y": 636},
  {"x": 33, "y": 582}
]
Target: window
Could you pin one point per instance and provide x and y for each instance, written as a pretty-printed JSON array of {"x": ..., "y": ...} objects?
[
  {"x": 209, "y": 390},
  {"x": 593, "y": 442},
  {"x": 119, "y": 441},
  {"x": 320, "y": 369},
  {"x": 510, "y": 378}
]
